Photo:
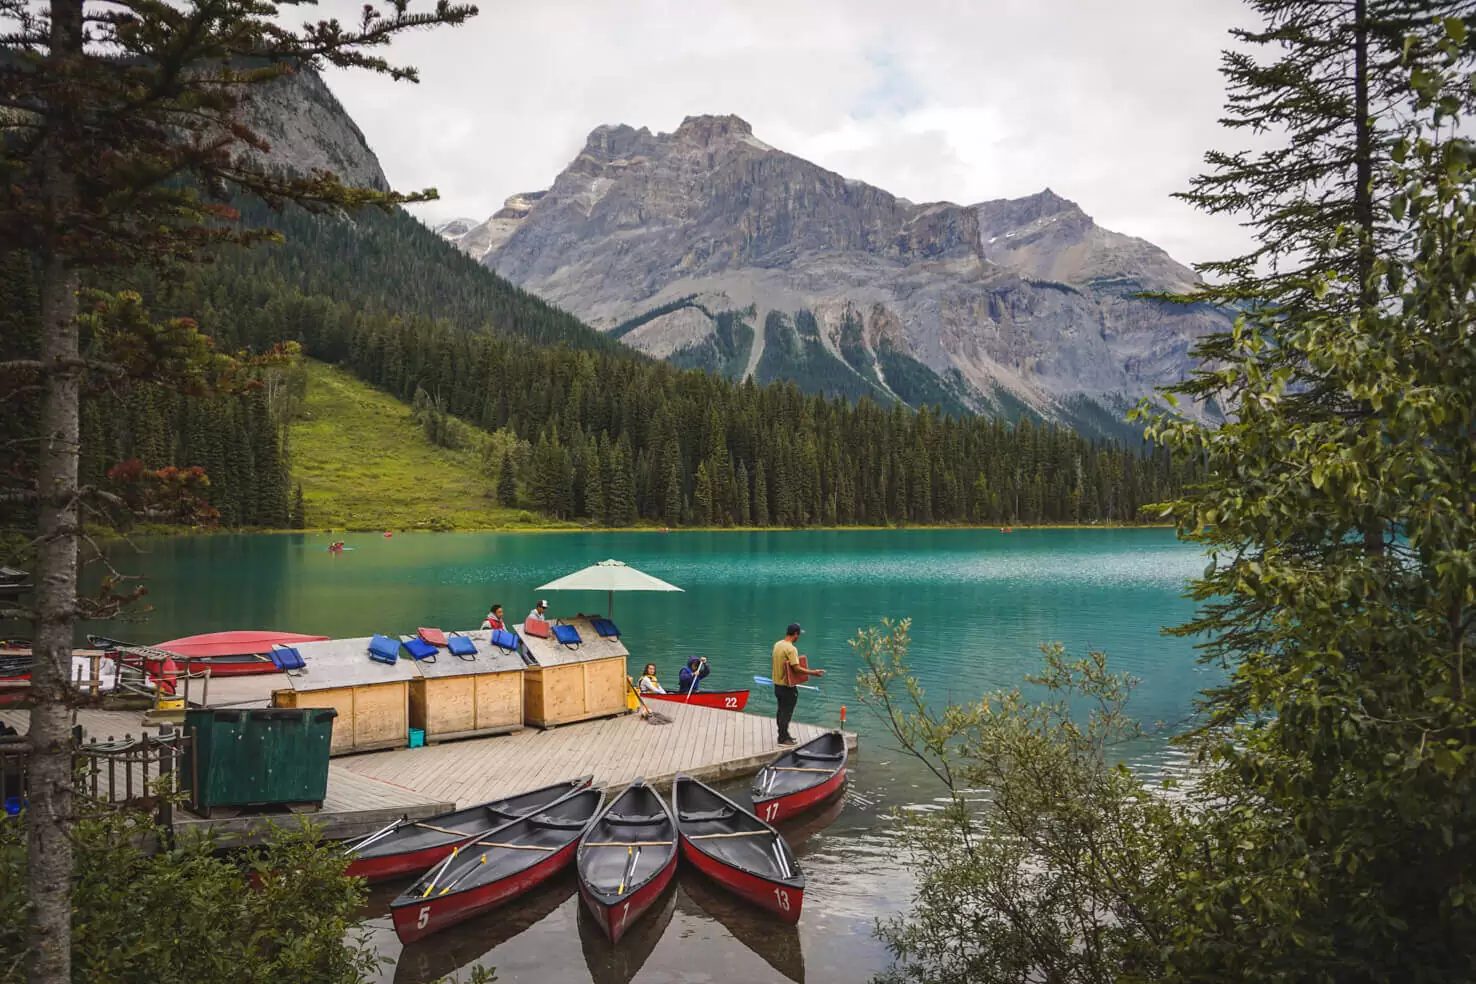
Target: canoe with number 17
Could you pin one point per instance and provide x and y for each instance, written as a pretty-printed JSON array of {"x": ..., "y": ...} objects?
[
  {"x": 800, "y": 778},
  {"x": 728, "y": 700}
]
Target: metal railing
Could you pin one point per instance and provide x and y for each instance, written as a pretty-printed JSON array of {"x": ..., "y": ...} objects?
[{"x": 140, "y": 773}]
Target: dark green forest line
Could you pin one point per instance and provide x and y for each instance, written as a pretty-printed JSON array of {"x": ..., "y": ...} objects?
[{"x": 617, "y": 438}]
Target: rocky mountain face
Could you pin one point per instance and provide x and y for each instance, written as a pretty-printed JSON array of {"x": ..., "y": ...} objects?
[
  {"x": 309, "y": 130},
  {"x": 708, "y": 247}
]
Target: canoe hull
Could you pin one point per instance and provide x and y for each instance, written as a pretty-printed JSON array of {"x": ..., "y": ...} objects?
[
  {"x": 414, "y": 922},
  {"x": 782, "y": 807},
  {"x": 784, "y": 901},
  {"x": 725, "y": 700},
  {"x": 617, "y": 916},
  {"x": 236, "y": 652},
  {"x": 390, "y": 866}
]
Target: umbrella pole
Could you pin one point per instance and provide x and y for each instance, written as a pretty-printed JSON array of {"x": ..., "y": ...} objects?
[{"x": 610, "y": 609}]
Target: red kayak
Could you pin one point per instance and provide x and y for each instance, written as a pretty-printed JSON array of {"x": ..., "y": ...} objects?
[
  {"x": 728, "y": 700},
  {"x": 502, "y": 864},
  {"x": 736, "y": 849},
  {"x": 626, "y": 858},
  {"x": 408, "y": 847},
  {"x": 800, "y": 778},
  {"x": 235, "y": 653}
]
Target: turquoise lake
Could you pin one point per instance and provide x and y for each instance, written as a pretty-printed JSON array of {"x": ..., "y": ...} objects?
[{"x": 981, "y": 604}]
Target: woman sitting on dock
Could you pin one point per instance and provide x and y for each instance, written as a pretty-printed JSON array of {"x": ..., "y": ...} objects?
[{"x": 648, "y": 684}]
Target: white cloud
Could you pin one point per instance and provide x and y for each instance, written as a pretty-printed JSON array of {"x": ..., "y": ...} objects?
[{"x": 1109, "y": 104}]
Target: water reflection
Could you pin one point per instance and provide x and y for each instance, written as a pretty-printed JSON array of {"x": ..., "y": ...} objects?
[
  {"x": 453, "y": 950},
  {"x": 778, "y": 943},
  {"x": 611, "y": 963}
]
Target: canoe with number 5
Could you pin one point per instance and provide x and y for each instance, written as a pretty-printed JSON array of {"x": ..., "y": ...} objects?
[
  {"x": 409, "y": 847},
  {"x": 503, "y": 864},
  {"x": 626, "y": 858},
  {"x": 736, "y": 849},
  {"x": 800, "y": 778},
  {"x": 726, "y": 700}
]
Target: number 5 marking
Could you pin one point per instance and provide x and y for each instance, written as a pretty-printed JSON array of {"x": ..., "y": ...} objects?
[{"x": 423, "y": 918}]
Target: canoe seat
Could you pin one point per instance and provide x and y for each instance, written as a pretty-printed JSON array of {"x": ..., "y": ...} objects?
[
  {"x": 636, "y": 819},
  {"x": 818, "y": 756},
  {"x": 702, "y": 816},
  {"x": 546, "y": 821}
]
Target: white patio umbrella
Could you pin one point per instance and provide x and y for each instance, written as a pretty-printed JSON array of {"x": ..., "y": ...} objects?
[{"x": 610, "y": 576}]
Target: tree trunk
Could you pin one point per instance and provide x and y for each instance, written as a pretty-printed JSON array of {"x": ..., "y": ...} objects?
[
  {"x": 49, "y": 813},
  {"x": 1363, "y": 209}
]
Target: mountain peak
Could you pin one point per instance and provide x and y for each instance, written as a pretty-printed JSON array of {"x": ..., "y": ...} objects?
[{"x": 706, "y": 127}]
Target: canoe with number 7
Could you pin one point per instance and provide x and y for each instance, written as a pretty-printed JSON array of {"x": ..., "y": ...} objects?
[
  {"x": 626, "y": 858},
  {"x": 736, "y": 849},
  {"x": 726, "y": 700},
  {"x": 800, "y": 778},
  {"x": 500, "y": 865}
]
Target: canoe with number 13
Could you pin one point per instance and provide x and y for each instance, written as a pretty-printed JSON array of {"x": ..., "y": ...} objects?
[{"x": 736, "y": 849}]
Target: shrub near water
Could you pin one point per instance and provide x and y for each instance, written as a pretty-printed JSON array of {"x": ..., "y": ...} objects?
[{"x": 188, "y": 915}]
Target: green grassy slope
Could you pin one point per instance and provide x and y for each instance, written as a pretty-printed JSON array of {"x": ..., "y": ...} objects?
[{"x": 364, "y": 463}]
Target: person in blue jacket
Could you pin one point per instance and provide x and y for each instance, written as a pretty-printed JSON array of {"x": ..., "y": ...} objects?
[{"x": 690, "y": 679}]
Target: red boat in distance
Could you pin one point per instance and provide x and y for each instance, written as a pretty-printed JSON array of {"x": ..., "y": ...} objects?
[
  {"x": 235, "y": 653},
  {"x": 727, "y": 700}
]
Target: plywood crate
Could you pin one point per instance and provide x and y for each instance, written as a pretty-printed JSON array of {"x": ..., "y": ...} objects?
[
  {"x": 573, "y": 684},
  {"x": 372, "y": 699},
  {"x": 463, "y": 697}
]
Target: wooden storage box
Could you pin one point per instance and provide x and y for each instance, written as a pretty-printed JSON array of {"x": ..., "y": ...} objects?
[
  {"x": 566, "y": 684},
  {"x": 462, "y": 697},
  {"x": 372, "y": 699}
]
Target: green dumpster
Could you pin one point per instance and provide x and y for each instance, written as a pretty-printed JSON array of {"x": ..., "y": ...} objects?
[{"x": 257, "y": 757}]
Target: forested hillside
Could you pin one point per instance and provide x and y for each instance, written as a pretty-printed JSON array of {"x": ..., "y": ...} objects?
[{"x": 615, "y": 437}]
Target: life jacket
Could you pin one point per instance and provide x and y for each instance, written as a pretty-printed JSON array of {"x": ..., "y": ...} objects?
[{"x": 493, "y": 622}]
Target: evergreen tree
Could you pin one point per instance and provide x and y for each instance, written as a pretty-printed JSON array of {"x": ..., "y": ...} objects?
[
  {"x": 507, "y": 482},
  {"x": 671, "y": 508},
  {"x": 743, "y": 516},
  {"x": 760, "y": 495},
  {"x": 299, "y": 509},
  {"x": 594, "y": 479},
  {"x": 620, "y": 505},
  {"x": 702, "y": 497}
]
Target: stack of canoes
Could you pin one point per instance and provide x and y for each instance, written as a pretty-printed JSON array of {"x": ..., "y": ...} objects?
[{"x": 624, "y": 852}]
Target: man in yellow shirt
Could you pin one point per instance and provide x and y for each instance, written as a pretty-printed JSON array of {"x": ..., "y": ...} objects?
[{"x": 787, "y": 673}]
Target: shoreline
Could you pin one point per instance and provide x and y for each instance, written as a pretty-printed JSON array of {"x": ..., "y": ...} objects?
[{"x": 163, "y": 530}]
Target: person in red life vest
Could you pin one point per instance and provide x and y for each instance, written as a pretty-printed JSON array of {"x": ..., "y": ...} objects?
[{"x": 494, "y": 619}]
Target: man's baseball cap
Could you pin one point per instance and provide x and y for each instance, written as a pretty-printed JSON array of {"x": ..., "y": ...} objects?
[
  {"x": 794, "y": 629},
  {"x": 543, "y": 604}
]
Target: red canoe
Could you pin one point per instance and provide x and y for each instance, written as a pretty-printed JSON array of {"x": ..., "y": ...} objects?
[
  {"x": 408, "y": 847},
  {"x": 502, "y": 864},
  {"x": 626, "y": 858},
  {"x": 737, "y": 850},
  {"x": 728, "y": 700},
  {"x": 235, "y": 653},
  {"x": 800, "y": 778}
]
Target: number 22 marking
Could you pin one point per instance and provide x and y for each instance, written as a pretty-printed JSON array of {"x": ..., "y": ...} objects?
[{"x": 730, "y": 701}]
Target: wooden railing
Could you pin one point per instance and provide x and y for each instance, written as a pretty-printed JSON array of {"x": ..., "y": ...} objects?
[{"x": 139, "y": 773}]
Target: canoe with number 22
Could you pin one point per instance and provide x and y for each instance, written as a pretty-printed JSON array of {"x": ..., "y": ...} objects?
[{"x": 727, "y": 700}]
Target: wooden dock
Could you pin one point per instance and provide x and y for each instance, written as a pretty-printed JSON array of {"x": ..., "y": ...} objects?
[{"x": 368, "y": 790}]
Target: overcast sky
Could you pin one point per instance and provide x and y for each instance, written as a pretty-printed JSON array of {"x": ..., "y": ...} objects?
[{"x": 1110, "y": 103}]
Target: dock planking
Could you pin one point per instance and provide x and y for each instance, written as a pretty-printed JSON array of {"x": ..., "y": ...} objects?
[
  {"x": 703, "y": 742},
  {"x": 370, "y": 789}
]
